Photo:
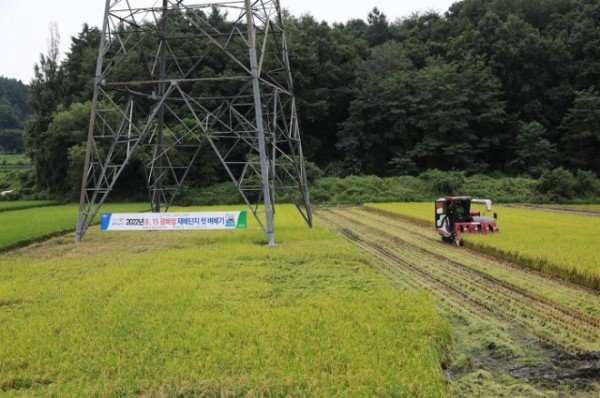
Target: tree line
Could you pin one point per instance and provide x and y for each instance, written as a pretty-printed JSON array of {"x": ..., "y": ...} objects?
[
  {"x": 500, "y": 87},
  {"x": 14, "y": 110}
]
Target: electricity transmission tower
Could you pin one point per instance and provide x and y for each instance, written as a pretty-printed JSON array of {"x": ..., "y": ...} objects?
[{"x": 175, "y": 77}]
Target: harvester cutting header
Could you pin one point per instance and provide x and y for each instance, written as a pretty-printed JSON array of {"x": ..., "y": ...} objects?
[{"x": 453, "y": 217}]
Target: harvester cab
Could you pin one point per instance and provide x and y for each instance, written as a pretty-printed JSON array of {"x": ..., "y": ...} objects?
[{"x": 453, "y": 217}]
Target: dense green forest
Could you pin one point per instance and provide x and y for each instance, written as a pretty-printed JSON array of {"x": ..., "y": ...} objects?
[
  {"x": 14, "y": 110},
  {"x": 496, "y": 87}
]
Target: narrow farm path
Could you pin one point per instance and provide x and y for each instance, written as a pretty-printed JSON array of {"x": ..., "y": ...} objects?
[{"x": 515, "y": 332}]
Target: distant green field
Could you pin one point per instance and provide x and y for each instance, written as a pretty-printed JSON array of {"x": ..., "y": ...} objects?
[
  {"x": 213, "y": 314},
  {"x": 563, "y": 244},
  {"x": 24, "y": 204},
  {"x": 30, "y": 225},
  {"x": 13, "y": 160}
]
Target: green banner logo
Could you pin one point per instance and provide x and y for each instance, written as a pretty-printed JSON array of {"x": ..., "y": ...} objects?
[{"x": 242, "y": 221}]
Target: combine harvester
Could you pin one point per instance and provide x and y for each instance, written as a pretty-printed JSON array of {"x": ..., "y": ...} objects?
[{"x": 453, "y": 217}]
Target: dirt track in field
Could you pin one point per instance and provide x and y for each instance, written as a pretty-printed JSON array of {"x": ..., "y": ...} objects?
[{"x": 505, "y": 320}]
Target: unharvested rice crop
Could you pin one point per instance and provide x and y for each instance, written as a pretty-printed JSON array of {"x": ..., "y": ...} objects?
[
  {"x": 562, "y": 244},
  {"x": 199, "y": 313},
  {"x": 21, "y": 227},
  {"x": 24, "y": 204}
]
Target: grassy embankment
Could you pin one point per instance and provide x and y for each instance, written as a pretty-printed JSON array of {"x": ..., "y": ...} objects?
[
  {"x": 562, "y": 245},
  {"x": 213, "y": 314}
]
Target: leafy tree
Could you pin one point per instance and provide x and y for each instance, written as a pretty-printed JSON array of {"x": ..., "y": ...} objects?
[
  {"x": 557, "y": 184},
  {"x": 46, "y": 95},
  {"x": 68, "y": 128},
  {"x": 324, "y": 67},
  {"x": 13, "y": 104},
  {"x": 355, "y": 28},
  {"x": 366, "y": 135},
  {"x": 378, "y": 30},
  {"x": 441, "y": 116},
  {"x": 75, "y": 158},
  {"x": 581, "y": 131},
  {"x": 587, "y": 184},
  {"x": 534, "y": 153},
  {"x": 11, "y": 141},
  {"x": 10, "y": 117},
  {"x": 79, "y": 67}
]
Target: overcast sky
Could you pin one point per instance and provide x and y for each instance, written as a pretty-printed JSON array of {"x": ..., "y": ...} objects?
[{"x": 24, "y": 23}]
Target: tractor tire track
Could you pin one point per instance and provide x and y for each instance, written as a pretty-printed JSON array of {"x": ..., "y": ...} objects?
[
  {"x": 402, "y": 275},
  {"x": 563, "y": 327}
]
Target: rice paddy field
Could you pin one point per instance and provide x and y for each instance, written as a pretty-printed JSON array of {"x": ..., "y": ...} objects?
[
  {"x": 564, "y": 244},
  {"x": 198, "y": 313},
  {"x": 24, "y": 204},
  {"x": 12, "y": 160},
  {"x": 369, "y": 302},
  {"x": 34, "y": 221},
  {"x": 515, "y": 332}
]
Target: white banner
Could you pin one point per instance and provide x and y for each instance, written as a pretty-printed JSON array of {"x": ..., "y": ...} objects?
[{"x": 172, "y": 221}]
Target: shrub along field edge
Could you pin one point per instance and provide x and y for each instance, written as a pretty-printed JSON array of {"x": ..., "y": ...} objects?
[{"x": 553, "y": 187}]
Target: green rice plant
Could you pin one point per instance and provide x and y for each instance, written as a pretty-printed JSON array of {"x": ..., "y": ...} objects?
[
  {"x": 12, "y": 160},
  {"x": 213, "y": 313},
  {"x": 561, "y": 244},
  {"x": 24, "y": 204},
  {"x": 22, "y": 227}
]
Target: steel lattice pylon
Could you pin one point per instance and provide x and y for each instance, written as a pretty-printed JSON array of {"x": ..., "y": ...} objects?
[{"x": 171, "y": 78}]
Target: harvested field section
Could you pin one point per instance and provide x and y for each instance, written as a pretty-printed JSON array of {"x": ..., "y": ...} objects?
[{"x": 500, "y": 322}]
